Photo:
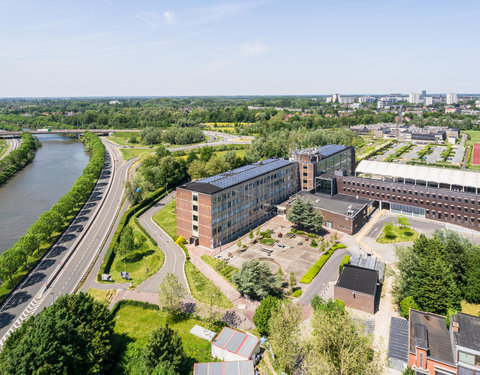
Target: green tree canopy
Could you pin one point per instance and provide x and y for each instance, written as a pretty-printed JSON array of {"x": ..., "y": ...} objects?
[
  {"x": 255, "y": 280},
  {"x": 302, "y": 214}
]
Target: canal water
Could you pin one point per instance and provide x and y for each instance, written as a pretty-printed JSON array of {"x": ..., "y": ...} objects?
[{"x": 37, "y": 187}]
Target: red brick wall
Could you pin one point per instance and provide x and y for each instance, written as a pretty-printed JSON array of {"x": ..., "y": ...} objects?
[
  {"x": 414, "y": 360},
  {"x": 310, "y": 176},
  {"x": 360, "y": 301},
  {"x": 205, "y": 219},
  {"x": 184, "y": 213}
]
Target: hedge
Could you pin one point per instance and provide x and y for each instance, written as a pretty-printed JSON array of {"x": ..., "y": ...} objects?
[
  {"x": 345, "y": 260},
  {"x": 297, "y": 293},
  {"x": 129, "y": 302},
  {"x": 315, "y": 269}
]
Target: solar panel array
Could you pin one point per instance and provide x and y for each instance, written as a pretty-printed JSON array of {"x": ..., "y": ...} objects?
[
  {"x": 222, "y": 368},
  {"x": 398, "y": 343},
  {"x": 238, "y": 175},
  {"x": 330, "y": 149}
]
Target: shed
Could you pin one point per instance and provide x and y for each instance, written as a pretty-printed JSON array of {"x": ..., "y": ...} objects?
[
  {"x": 232, "y": 345},
  {"x": 221, "y": 368}
]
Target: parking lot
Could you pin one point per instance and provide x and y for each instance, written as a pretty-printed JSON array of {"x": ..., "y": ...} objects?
[{"x": 291, "y": 254}]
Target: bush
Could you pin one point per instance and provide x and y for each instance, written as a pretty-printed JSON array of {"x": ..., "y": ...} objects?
[
  {"x": 293, "y": 230},
  {"x": 313, "y": 243},
  {"x": 312, "y": 235},
  {"x": 265, "y": 234},
  {"x": 297, "y": 293},
  {"x": 315, "y": 269},
  {"x": 181, "y": 240},
  {"x": 300, "y": 232},
  {"x": 345, "y": 260},
  {"x": 405, "y": 306}
]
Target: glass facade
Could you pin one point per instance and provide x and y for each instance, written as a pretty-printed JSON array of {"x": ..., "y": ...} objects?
[
  {"x": 340, "y": 161},
  {"x": 237, "y": 209},
  {"x": 403, "y": 209}
]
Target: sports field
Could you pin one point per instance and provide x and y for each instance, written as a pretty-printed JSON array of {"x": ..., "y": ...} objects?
[{"x": 476, "y": 154}]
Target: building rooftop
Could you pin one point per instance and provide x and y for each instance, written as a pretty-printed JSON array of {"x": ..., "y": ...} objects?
[
  {"x": 398, "y": 341},
  {"x": 236, "y": 342},
  {"x": 358, "y": 279},
  {"x": 370, "y": 262},
  {"x": 338, "y": 203},
  {"x": 221, "y": 368},
  {"x": 428, "y": 331},
  {"x": 415, "y": 172},
  {"x": 323, "y": 151},
  {"x": 213, "y": 184},
  {"x": 468, "y": 334}
]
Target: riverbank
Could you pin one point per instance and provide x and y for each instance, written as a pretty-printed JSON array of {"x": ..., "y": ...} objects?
[{"x": 19, "y": 158}]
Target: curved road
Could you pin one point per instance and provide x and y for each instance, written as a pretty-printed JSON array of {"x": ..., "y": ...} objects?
[
  {"x": 70, "y": 257},
  {"x": 12, "y": 144}
]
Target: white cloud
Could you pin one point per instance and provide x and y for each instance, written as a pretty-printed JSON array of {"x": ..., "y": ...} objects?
[
  {"x": 153, "y": 19},
  {"x": 169, "y": 16},
  {"x": 249, "y": 49}
]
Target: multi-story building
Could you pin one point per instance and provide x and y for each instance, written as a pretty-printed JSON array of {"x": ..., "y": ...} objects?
[
  {"x": 366, "y": 99},
  {"x": 435, "y": 348},
  {"x": 427, "y": 101},
  {"x": 452, "y": 98},
  {"x": 318, "y": 166},
  {"x": 218, "y": 209},
  {"x": 414, "y": 98},
  {"x": 347, "y": 100}
]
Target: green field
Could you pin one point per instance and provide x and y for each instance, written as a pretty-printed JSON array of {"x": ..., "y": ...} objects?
[
  {"x": 136, "y": 263},
  {"x": 166, "y": 218},
  {"x": 223, "y": 269},
  {"x": 122, "y": 138},
  {"x": 200, "y": 285},
  {"x": 130, "y": 153},
  {"x": 137, "y": 323},
  {"x": 370, "y": 146},
  {"x": 470, "y": 308},
  {"x": 474, "y": 137},
  {"x": 399, "y": 235}
]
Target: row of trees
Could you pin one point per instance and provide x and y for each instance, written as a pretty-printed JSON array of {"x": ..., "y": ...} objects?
[
  {"x": 17, "y": 159},
  {"x": 174, "y": 136},
  {"x": 51, "y": 222},
  {"x": 437, "y": 273},
  {"x": 334, "y": 345}
]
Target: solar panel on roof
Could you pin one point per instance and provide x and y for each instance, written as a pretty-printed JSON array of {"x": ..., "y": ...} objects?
[
  {"x": 398, "y": 342},
  {"x": 330, "y": 149}
]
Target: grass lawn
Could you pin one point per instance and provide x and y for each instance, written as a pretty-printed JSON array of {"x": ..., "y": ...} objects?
[
  {"x": 166, "y": 218},
  {"x": 223, "y": 269},
  {"x": 399, "y": 235},
  {"x": 138, "y": 323},
  {"x": 130, "y": 153},
  {"x": 122, "y": 138},
  {"x": 267, "y": 241},
  {"x": 199, "y": 285},
  {"x": 136, "y": 263},
  {"x": 370, "y": 146},
  {"x": 470, "y": 308},
  {"x": 474, "y": 137},
  {"x": 101, "y": 295}
]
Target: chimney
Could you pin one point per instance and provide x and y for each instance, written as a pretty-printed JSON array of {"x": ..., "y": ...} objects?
[{"x": 455, "y": 326}]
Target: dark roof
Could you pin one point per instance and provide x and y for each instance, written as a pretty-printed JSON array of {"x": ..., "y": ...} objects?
[
  {"x": 213, "y": 184},
  {"x": 358, "y": 279},
  {"x": 323, "y": 151},
  {"x": 221, "y": 368},
  {"x": 398, "y": 341},
  {"x": 338, "y": 203},
  {"x": 429, "y": 331},
  {"x": 468, "y": 334}
]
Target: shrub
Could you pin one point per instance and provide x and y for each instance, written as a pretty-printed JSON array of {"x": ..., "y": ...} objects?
[
  {"x": 181, "y": 240},
  {"x": 345, "y": 260},
  {"x": 407, "y": 304},
  {"x": 315, "y": 269},
  {"x": 300, "y": 232},
  {"x": 313, "y": 243},
  {"x": 293, "y": 230},
  {"x": 297, "y": 293},
  {"x": 312, "y": 235}
]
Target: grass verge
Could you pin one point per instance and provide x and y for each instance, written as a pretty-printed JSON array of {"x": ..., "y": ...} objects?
[
  {"x": 166, "y": 219},
  {"x": 470, "y": 308},
  {"x": 200, "y": 285},
  {"x": 130, "y": 153},
  {"x": 398, "y": 235},
  {"x": 222, "y": 268}
]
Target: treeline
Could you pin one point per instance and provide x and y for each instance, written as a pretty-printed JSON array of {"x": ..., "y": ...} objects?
[
  {"x": 437, "y": 273},
  {"x": 19, "y": 158},
  {"x": 14, "y": 262},
  {"x": 174, "y": 136}
]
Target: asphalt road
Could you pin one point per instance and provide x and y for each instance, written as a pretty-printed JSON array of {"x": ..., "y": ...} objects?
[
  {"x": 329, "y": 272},
  {"x": 174, "y": 255},
  {"x": 13, "y": 144},
  {"x": 74, "y": 250}
]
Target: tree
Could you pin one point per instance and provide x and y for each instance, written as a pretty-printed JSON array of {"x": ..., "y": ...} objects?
[
  {"x": 171, "y": 293},
  {"x": 164, "y": 348},
  {"x": 405, "y": 306},
  {"x": 250, "y": 234},
  {"x": 72, "y": 336},
  {"x": 403, "y": 222},
  {"x": 255, "y": 280},
  {"x": 162, "y": 151},
  {"x": 318, "y": 304},
  {"x": 10, "y": 261},
  {"x": 292, "y": 280},
  {"x": 472, "y": 288},
  {"x": 216, "y": 165},
  {"x": 197, "y": 170},
  {"x": 263, "y": 314},
  {"x": 336, "y": 347},
  {"x": 191, "y": 156},
  {"x": 388, "y": 230},
  {"x": 302, "y": 214},
  {"x": 206, "y": 153},
  {"x": 285, "y": 335},
  {"x": 408, "y": 371}
]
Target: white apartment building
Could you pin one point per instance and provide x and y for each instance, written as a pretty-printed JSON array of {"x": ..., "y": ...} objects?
[
  {"x": 452, "y": 98},
  {"x": 428, "y": 100},
  {"x": 414, "y": 98}
]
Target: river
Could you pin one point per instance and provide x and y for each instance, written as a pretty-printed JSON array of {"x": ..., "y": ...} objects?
[{"x": 37, "y": 187}]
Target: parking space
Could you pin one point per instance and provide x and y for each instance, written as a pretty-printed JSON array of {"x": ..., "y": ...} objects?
[
  {"x": 436, "y": 154},
  {"x": 389, "y": 151},
  {"x": 411, "y": 154}
]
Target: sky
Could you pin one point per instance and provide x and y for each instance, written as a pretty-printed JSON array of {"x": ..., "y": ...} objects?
[{"x": 245, "y": 47}]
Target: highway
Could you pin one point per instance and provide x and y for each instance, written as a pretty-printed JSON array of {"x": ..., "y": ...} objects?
[
  {"x": 69, "y": 259},
  {"x": 13, "y": 144}
]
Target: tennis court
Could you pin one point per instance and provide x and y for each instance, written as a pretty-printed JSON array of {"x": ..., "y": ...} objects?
[{"x": 476, "y": 154}]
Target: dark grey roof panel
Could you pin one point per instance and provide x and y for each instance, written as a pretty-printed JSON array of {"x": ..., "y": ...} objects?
[
  {"x": 358, "y": 279},
  {"x": 398, "y": 341},
  {"x": 245, "y": 367},
  {"x": 223, "y": 337},
  {"x": 234, "y": 344},
  {"x": 248, "y": 346},
  {"x": 200, "y": 368},
  {"x": 216, "y": 369},
  {"x": 231, "y": 367},
  {"x": 224, "y": 368},
  {"x": 468, "y": 334}
]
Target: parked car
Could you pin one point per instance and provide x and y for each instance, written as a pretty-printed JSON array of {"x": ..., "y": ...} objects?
[
  {"x": 281, "y": 245},
  {"x": 300, "y": 243}
]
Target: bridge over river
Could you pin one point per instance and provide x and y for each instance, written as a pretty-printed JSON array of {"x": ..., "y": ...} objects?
[{"x": 16, "y": 134}]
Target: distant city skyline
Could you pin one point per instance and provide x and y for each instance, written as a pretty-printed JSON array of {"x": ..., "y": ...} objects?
[{"x": 254, "y": 47}]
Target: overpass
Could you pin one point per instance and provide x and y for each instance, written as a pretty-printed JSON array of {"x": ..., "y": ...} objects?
[{"x": 16, "y": 134}]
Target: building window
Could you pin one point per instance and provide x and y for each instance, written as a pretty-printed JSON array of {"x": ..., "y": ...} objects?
[
  {"x": 195, "y": 228},
  {"x": 195, "y": 207},
  {"x": 195, "y": 218},
  {"x": 195, "y": 198},
  {"x": 466, "y": 358}
]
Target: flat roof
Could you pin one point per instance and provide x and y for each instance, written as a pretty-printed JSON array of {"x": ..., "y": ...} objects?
[
  {"x": 236, "y": 342},
  {"x": 338, "y": 203},
  {"x": 429, "y": 331},
  {"x": 323, "y": 151},
  {"x": 415, "y": 172},
  {"x": 468, "y": 334},
  {"x": 221, "y": 368},
  {"x": 370, "y": 262},
  {"x": 213, "y": 184},
  {"x": 358, "y": 279}
]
